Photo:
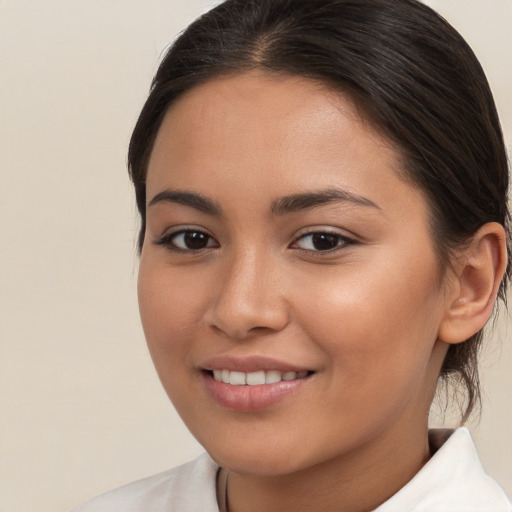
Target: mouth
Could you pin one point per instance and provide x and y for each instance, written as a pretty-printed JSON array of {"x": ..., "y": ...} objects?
[
  {"x": 255, "y": 378},
  {"x": 255, "y": 390}
]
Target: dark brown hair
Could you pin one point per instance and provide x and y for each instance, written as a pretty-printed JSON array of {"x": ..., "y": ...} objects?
[{"x": 405, "y": 68}]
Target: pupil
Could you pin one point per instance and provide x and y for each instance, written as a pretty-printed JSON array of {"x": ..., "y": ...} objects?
[
  {"x": 196, "y": 240},
  {"x": 324, "y": 241}
]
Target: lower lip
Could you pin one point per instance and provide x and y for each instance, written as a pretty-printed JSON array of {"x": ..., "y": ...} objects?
[{"x": 250, "y": 398}]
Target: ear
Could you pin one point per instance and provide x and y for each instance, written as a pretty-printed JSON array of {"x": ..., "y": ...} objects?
[{"x": 479, "y": 271}]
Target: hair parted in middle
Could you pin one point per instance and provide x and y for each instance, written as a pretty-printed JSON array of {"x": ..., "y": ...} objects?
[{"x": 409, "y": 73}]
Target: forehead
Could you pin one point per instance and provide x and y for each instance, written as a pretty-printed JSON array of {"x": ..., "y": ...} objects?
[{"x": 266, "y": 135}]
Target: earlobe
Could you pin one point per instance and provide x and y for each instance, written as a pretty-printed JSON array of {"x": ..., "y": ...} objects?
[{"x": 479, "y": 271}]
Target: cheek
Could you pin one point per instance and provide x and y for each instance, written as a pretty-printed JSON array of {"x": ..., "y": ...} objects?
[
  {"x": 370, "y": 323},
  {"x": 169, "y": 308},
  {"x": 169, "y": 304}
]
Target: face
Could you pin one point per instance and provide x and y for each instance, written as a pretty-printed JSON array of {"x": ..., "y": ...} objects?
[{"x": 288, "y": 287}]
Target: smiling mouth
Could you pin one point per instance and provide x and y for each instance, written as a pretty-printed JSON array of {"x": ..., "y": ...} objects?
[
  {"x": 257, "y": 378},
  {"x": 254, "y": 390}
]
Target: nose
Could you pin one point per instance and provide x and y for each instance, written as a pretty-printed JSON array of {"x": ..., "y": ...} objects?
[{"x": 249, "y": 300}]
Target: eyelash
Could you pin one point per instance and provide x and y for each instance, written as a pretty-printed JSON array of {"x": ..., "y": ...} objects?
[
  {"x": 168, "y": 240},
  {"x": 342, "y": 242}
]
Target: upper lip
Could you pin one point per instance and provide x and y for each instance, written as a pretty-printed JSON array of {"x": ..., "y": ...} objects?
[{"x": 250, "y": 364}]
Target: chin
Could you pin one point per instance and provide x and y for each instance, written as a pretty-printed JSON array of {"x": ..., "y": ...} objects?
[
  {"x": 265, "y": 456},
  {"x": 258, "y": 464}
]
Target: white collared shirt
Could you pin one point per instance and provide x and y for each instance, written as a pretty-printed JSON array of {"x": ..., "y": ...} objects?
[{"x": 453, "y": 480}]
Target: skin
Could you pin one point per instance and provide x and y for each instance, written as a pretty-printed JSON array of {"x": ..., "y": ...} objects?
[{"x": 365, "y": 316}]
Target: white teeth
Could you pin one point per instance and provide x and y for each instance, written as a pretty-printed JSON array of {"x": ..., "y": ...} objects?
[
  {"x": 272, "y": 377},
  {"x": 237, "y": 378},
  {"x": 255, "y": 378}
]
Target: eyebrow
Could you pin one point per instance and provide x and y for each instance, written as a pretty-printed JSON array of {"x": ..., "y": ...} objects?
[
  {"x": 281, "y": 206},
  {"x": 308, "y": 200},
  {"x": 197, "y": 201}
]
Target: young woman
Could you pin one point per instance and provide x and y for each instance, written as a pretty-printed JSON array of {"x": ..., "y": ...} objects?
[{"x": 322, "y": 187}]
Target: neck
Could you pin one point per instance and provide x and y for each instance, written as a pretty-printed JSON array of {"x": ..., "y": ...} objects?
[{"x": 354, "y": 482}]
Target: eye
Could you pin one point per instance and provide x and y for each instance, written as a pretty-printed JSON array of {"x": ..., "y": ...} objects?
[
  {"x": 321, "y": 241},
  {"x": 187, "y": 240}
]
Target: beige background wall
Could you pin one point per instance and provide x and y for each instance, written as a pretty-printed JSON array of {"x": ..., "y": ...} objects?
[{"x": 81, "y": 409}]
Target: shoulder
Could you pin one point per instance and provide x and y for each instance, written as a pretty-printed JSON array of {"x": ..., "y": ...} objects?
[
  {"x": 186, "y": 488},
  {"x": 452, "y": 480}
]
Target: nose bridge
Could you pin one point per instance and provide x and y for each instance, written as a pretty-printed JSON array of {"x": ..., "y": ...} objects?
[{"x": 248, "y": 297}]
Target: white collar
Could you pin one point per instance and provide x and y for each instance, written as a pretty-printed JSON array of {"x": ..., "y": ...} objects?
[{"x": 453, "y": 480}]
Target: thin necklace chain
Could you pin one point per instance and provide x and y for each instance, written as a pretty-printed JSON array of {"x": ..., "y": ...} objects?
[{"x": 222, "y": 495}]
